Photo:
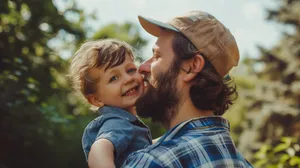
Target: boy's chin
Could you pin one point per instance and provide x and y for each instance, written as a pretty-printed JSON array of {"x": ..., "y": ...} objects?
[{"x": 133, "y": 100}]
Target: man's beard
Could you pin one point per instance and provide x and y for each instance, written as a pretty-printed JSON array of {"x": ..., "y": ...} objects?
[{"x": 160, "y": 103}]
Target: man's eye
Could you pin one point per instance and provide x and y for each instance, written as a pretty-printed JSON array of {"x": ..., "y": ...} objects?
[
  {"x": 131, "y": 70},
  {"x": 156, "y": 56},
  {"x": 113, "y": 79}
]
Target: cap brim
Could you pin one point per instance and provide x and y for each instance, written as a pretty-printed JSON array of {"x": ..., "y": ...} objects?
[{"x": 153, "y": 27}]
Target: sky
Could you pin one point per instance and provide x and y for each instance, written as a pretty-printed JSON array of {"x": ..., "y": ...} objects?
[{"x": 244, "y": 18}]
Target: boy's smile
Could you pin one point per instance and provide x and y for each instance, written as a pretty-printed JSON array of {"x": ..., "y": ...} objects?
[
  {"x": 131, "y": 91},
  {"x": 119, "y": 86}
]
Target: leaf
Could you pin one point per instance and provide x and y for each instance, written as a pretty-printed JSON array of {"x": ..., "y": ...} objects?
[
  {"x": 287, "y": 140},
  {"x": 295, "y": 161},
  {"x": 260, "y": 163},
  {"x": 284, "y": 158},
  {"x": 280, "y": 147}
]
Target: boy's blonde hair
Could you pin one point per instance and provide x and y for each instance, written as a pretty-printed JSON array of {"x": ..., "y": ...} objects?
[{"x": 105, "y": 53}]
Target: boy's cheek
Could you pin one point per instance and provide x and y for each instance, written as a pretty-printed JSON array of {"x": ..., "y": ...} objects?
[{"x": 140, "y": 77}]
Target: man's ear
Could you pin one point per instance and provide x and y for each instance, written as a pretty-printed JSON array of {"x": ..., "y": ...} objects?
[
  {"x": 92, "y": 99},
  {"x": 195, "y": 65}
]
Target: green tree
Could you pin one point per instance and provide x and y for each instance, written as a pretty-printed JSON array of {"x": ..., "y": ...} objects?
[
  {"x": 284, "y": 153},
  {"x": 35, "y": 127},
  {"x": 274, "y": 105}
]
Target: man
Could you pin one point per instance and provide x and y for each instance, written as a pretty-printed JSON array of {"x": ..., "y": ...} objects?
[{"x": 188, "y": 91}]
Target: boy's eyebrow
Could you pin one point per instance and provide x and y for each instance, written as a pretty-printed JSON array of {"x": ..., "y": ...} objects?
[
  {"x": 130, "y": 64},
  {"x": 113, "y": 70}
]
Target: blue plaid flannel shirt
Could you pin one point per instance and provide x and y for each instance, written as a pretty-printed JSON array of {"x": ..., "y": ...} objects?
[{"x": 201, "y": 142}]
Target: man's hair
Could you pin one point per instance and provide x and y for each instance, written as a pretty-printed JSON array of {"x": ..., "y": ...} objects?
[
  {"x": 106, "y": 53},
  {"x": 208, "y": 90}
]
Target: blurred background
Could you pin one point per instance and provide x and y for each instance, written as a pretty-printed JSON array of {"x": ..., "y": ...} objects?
[{"x": 42, "y": 120}]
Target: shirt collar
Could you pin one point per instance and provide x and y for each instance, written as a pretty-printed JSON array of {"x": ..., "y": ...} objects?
[
  {"x": 115, "y": 111},
  {"x": 202, "y": 122}
]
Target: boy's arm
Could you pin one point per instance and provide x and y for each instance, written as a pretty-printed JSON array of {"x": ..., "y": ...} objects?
[{"x": 101, "y": 154}]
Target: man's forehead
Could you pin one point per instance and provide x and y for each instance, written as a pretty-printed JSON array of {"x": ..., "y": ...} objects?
[{"x": 165, "y": 39}]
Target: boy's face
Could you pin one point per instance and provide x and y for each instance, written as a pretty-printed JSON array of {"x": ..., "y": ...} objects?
[{"x": 119, "y": 86}]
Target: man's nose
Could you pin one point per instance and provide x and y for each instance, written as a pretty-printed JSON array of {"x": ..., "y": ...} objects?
[{"x": 145, "y": 67}]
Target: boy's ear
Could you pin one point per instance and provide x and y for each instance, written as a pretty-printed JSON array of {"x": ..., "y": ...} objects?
[
  {"x": 92, "y": 99},
  {"x": 194, "y": 66}
]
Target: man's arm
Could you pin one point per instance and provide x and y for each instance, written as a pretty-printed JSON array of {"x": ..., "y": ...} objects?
[{"x": 101, "y": 154}]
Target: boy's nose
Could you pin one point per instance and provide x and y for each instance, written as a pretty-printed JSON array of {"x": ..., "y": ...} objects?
[
  {"x": 128, "y": 78},
  {"x": 145, "y": 67}
]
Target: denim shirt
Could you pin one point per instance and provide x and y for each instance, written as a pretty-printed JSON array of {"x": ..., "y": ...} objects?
[{"x": 126, "y": 132}]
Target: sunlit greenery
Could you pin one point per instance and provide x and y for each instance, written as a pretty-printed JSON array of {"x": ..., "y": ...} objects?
[{"x": 269, "y": 104}]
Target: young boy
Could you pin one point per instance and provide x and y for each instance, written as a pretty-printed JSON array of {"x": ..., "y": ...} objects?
[{"x": 106, "y": 75}]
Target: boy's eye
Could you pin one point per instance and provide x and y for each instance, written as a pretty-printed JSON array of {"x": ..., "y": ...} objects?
[
  {"x": 131, "y": 70},
  {"x": 113, "y": 79}
]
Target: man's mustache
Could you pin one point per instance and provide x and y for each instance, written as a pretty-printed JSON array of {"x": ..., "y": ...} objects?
[{"x": 148, "y": 80}]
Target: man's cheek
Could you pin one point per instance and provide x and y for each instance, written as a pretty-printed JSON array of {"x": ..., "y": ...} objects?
[
  {"x": 153, "y": 83},
  {"x": 155, "y": 77}
]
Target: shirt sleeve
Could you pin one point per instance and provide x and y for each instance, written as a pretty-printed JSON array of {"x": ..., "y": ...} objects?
[
  {"x": 118, "y": 131},
  {"x": 142, "y": 160}
]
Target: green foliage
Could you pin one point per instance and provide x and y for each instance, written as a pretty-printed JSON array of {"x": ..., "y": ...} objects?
[
  {"x": 157, "y": 129},
  {"x": 273, "y": 107},
  {"x": 35, "y": 127},
  {"x": 286, "y": 153},
  {"x": 237, "y": 112}
]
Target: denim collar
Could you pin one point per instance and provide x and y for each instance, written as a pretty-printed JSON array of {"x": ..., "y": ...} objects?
[{"x": 118, "y": 112}]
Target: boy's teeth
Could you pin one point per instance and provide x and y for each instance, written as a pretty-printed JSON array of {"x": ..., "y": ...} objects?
[{"x": 130, "y": 91}]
